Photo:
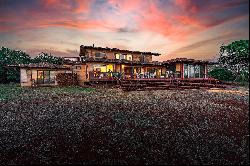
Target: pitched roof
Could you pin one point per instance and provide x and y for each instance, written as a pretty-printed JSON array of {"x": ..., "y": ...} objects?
[
  {"x": 185, "y": 60},
  {"x": 40, "y": 65}
]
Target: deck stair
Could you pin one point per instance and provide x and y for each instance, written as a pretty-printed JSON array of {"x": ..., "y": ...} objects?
[{"x": 162, "y": 84}]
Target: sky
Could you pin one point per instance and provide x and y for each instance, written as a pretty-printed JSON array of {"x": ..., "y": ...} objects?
[{"x": 174, "y": 28}]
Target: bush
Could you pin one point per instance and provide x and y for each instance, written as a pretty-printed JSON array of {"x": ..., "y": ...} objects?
[
  {"x": 222, "y": 74},
  {"x": 243, "y": 77},
  {"x": 66, "y": 79}
]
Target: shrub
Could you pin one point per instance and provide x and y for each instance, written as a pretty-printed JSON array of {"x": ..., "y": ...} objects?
[
  {"x": 222, "y": 74},
  {"x": 66, "y": 79},
  {"x": 243, "y": 77}
]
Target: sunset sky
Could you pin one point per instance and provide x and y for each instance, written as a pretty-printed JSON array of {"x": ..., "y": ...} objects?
[{"x": 173, "y": 28}]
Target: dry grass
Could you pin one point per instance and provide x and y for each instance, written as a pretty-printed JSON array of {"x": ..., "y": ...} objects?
[{"x": 109, "y": 126}]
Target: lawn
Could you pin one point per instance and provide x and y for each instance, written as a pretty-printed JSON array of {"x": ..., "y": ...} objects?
[{"x": 75, "y": 125}]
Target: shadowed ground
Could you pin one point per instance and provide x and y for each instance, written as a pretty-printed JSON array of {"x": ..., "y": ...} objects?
[{"x": 109, "y": 126}]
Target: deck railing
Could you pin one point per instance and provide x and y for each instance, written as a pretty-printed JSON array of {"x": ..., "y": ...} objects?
[
  {"x": 117, "y": 76},
  {"x": 93, "y": 75},
  {"x": 104, "y": 75}
]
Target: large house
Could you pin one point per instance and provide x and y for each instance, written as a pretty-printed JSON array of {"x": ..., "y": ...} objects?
[{"x": 106, "y": 64}]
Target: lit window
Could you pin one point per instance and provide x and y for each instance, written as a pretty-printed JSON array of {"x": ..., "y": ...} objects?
[
  {"x": 117, "y": 56},
  {"x": 129, "y": 57}
]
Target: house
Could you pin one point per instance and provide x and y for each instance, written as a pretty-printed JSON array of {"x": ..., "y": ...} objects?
[
  {"x": 96, "y": 64},
  {"x": 42, "y": 74},
  {"x": 186, "y": 68},
  {"x": 108, "y": 63},
  {"x": 103, "y": 62}
]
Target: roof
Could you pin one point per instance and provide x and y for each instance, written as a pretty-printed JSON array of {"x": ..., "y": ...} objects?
[
  {"x": 185, "y": 60},
  {"x": 70, "y": 57},
  {"x": 40, "y": 65},
  {"x": 124, "y": 61},
  {"x": 116, "y": 49}
]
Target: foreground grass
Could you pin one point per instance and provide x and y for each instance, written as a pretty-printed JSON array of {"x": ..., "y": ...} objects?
[
  {"x": 108, "y": 126},
  {"x": 14, "y": 91}
]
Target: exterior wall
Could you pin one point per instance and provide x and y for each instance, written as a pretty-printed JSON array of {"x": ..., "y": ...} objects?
[
  {"x": 27, "y": 75},
  {"x": 136, "y": 57},
  {"x": 178, "y": 67},
  {"x": 148, "y": 58},
  {"x": 111, "y": 54},
  {"x": 80, "y": 70}
]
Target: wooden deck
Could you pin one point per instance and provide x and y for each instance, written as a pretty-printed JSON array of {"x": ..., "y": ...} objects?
[
  {"x": 163, "y": 83},
  {"x": 155, "y": 84}
]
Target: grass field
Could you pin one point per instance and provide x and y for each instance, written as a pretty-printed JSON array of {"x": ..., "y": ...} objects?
[{"x": 75, "y": 125}]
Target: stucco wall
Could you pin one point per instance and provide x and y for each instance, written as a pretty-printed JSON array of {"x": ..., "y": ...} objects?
[{"x": 80, "y": 70}]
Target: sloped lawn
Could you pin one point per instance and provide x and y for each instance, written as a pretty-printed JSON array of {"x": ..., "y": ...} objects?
[{"x": 109, "y": 126}]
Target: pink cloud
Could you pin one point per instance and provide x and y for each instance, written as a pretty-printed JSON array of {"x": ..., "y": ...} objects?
[
  {"x": 58, "y": 4},
  {"x": 127, "y": 5},
  {"x": 156, "y": 20}
]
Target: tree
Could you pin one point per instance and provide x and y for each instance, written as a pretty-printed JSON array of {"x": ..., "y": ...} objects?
[
  {"x": 235, "y": 56},
  {"x": 222, "y": 74},
  {"x": 45, "y": 57},
  {"x": 11, "y": 57}
]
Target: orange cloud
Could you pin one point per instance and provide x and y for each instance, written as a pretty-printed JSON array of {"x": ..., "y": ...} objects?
[{"x": 82, "y": 6}]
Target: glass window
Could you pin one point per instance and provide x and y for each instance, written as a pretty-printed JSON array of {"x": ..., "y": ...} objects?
[
  {"x": 99, "y": 55},
  {"x": 197, "y": 71},
  {"x": 123, "y": 56},
  {"x": 40, "y": 77},
  {"x": 129, "y": 57},
  {"x": 117, "y": 56},
  {"x": 202, "y": 71},
  {"x": 185, "y": 71},
  {"x": 190, "y": 71},
  {"x": 45, "y": 77}
]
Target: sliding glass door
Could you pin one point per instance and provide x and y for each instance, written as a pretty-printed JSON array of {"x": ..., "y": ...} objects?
[{"x": 45, "y": 77}]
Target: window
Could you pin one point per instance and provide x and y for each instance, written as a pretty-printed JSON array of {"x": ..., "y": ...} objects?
[
  {"x": 78, "y": 67},
  {"x": 191, "y": 71},
  {"x": 45, "y": 77},
  {"x": 120, "y": 56},
  {"x": 117, "y": 56},
  {"x": 99, "y": 55},
  {"x": 197, "y": 71},
  {"x": 123, "y": 56},
  {"x": 142, "y": 58},
  {"x": 202, "y": 71},
  {"x": 185, "y": 70},
  {"x": 129, "y": 57}
]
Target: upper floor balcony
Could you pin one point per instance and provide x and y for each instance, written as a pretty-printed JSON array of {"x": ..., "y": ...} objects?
[{"x": 97, "y": 53}]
